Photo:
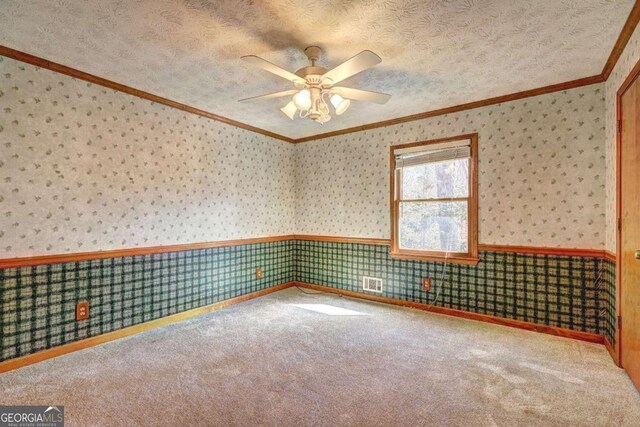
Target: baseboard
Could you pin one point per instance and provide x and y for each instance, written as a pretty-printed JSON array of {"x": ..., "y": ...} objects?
[
  {"x": 534, "y": 327},
  {"x": 30, "y": 359},
  {"x": 612, "y": 351}
]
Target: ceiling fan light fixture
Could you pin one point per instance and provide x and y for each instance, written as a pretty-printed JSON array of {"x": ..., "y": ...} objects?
[
  {"x": 339, "y": 103},
  {"x": 314, "y": 85},
  {"x": 302, "y": 100},
  {"x": 290, "y": 110}
]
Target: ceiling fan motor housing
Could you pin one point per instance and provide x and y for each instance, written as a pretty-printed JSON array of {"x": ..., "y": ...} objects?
[{"x": 311, "y": 74}]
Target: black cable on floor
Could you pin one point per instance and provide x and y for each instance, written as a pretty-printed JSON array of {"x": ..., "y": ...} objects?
[{"x": 310, "y": 293}]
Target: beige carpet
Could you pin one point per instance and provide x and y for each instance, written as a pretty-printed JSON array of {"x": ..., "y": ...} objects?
[{"x": 297, "y": 359}]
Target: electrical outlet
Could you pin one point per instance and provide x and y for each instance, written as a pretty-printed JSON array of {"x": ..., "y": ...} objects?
[
  {"x": 259, "y": 273},
  {"x": 426, "y": 284},
  {"x": 82, "y": 310}
]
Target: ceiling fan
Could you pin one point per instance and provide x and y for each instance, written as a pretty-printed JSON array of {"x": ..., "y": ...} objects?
[{"x": 314, "y": 85}]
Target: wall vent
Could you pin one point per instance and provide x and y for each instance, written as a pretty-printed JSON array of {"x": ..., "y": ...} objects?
[{"x": 372, "y": 284}]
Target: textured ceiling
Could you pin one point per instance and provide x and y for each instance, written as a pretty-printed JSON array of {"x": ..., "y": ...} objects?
[{"x": 435, "y": 53}]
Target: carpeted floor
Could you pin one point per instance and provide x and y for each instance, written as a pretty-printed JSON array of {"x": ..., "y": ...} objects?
[{"x": 296, "y": 359}]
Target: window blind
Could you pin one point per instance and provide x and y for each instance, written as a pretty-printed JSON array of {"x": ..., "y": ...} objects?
[{"x": 431, "y": 156}]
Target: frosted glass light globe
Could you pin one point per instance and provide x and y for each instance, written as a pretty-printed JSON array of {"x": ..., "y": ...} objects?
[{"x": 302, "y": 100}]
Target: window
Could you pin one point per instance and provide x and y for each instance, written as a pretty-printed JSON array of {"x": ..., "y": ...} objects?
[{"x": 434, "y": 206}]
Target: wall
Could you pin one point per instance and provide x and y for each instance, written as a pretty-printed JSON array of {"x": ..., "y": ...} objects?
[
  {"x": 541, "y": 172},
  {"x": 86, "y": 168},
  {"x": 542, "y": 166}
]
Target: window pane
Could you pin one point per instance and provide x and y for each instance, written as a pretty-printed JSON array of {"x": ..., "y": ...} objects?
[
  {"x": 436, "y": 180},
  {"x": 434, "y": 226}
]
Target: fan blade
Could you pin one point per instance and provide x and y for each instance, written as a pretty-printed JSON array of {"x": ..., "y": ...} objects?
[
  {"x": 361, "y": 95},
  {"x": 360, "y": 62},
  {"x": 271, "y": 95},
  {"x": 272, "y": 68}
]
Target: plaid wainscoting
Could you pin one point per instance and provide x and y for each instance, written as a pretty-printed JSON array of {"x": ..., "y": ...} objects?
[
  {"x": 563, "y": 291},
  {"x": 38, "y": 303},
  {"x": 606, "y": 283}
]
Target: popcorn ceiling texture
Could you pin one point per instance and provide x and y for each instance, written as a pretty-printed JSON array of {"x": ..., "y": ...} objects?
[
  {"x": 630, "y": 56},
  {"x": 541, "y": 172},
  {"x": 435, "y": 53},
  {"x": 86, "y": 168}
]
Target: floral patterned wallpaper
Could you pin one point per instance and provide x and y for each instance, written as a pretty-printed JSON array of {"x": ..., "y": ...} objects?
[
  {"x": 630, "y": 56},
  {"x": 541, "y": 172},
  {"x": 85, "y": 168}
]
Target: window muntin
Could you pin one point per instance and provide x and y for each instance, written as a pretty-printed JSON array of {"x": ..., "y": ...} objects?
[{"x": 434, "y": 212}]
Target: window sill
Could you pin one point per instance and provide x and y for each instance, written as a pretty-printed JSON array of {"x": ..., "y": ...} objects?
[{"x": 451, "y": 259}]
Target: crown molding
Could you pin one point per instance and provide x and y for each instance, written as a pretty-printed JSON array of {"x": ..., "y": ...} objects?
[
  {"x": 462, "y": 107},
  {"x": 63, "y": 69},
  {"x": 627, "y": 30},
  {"x": 626, "y": 33}
]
